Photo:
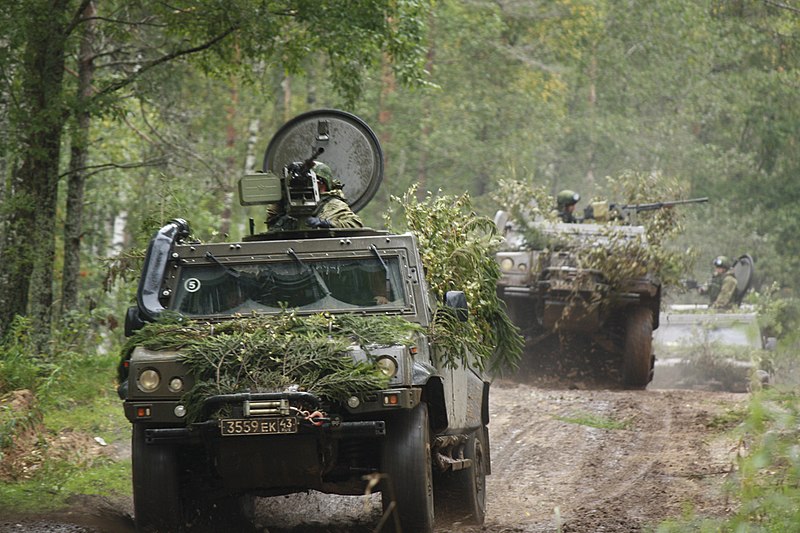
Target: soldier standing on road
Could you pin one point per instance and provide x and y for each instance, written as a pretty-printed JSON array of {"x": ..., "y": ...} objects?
[
  {"x": 723, "y": 284},
  {"x": 333, "y": 210},
  {"x": 566, "y": 201}
]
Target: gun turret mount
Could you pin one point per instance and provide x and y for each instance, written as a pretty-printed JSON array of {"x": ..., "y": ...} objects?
[{"x": 349, "y": 147}]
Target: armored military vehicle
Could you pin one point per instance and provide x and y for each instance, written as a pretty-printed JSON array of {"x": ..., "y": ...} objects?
[
  {"x": 423, "y": 437},
  {"x": 548, "y": 293}
]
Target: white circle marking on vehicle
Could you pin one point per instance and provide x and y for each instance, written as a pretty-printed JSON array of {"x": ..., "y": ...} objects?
[{"x": 191, "y": 285}]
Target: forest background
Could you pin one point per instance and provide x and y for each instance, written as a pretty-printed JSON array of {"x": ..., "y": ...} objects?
[
  {"x": 118, "y": 116},
  {"x": 115, "y": 118}
]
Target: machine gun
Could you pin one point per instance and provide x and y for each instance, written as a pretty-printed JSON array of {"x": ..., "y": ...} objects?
[
  {"x": 638, "y": 208},
  {"x": 296, "y": 190},
  {"x": 603, "y": 211},
  {"x": 301, "y": 192},
  {"x": 287, "y": 181}
]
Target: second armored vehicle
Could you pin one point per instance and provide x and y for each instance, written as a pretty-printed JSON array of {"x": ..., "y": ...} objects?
[{"x": 549, "y": 293}]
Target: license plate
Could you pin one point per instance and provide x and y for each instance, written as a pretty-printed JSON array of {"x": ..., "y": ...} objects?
[{"x": 257, "y": 426}]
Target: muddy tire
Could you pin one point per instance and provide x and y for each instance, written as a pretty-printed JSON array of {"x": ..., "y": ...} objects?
[
  {"x": 637, "y": 356},
  {"x": 461, "y": 495},
  {"x": 156, "y": 485},
  {"x": 407, "y": 491}
]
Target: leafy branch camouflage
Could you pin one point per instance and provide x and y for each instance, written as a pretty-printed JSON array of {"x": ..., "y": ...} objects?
[
  {"x": 457, "y": 248},
  {"x": 617, "y": 255},
  {"x": 272, "y": 353}
]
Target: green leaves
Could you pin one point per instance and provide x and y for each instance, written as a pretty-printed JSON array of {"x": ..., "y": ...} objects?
[
  {"x": 271, "y": 353},
  {"x": 457, "y": 248}
]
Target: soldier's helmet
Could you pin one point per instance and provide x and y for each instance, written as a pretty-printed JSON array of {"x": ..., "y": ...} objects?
[
  {"x": 324, "y": 173},
  {"x": 722, "y": 262},
  {"x": 567, "y": 197}
]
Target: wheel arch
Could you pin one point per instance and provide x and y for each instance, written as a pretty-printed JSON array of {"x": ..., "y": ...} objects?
[{"x": 433, "y": 395}]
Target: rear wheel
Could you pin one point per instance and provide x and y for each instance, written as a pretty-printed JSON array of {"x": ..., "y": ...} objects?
[
  {"x": 406, "y": 462},
  {"x": 461, "y": 495},
  {"x": 156, "y": 485},
  {"x": 637, "y": 361}
]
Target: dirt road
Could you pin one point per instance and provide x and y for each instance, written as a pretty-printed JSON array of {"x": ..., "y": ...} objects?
[
  {"x": 660, "y": 454},
  {"x": 578, "y": 460}
]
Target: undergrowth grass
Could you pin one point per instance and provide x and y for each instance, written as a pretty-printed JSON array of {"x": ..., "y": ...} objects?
[
  {"x": 765, "y": 487},
  {"x": 595, "y": 421},
  {"x": 76, "y": 418}
]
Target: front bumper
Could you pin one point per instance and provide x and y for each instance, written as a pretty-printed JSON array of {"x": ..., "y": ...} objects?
[{"x": 361, "y": 419}]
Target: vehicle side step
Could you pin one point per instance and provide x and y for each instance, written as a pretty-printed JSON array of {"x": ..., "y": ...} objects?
[{"x": 448, "y": 453}]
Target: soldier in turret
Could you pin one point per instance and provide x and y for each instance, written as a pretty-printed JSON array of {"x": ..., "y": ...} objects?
[
  {"x": 333, "y": 210},
  {"x": 566, "y": 201}
]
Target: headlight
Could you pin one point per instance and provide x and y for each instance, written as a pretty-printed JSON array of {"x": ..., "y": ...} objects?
[
  {"x": 149, "y": 380},
  {"x": 522, "y": 267},
  {"x": 506, "y": 264},
  {"x": 176, "y": 384},
  {"x": 387, "y": 366}
]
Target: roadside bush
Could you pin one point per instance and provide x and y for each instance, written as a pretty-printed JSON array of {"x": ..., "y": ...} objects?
[
  {"x": 59, "y": 415},
  {"x": 768, "y": 479},
  {"x": 765, "y": 486},
  {"x": 19, "y": 367}
]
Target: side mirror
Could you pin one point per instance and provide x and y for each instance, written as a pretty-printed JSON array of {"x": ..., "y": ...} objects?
[
  {"x": 133, "y": 321},
  {"x": 260, "y": 188},
  {"x": 457, "y": 301}
]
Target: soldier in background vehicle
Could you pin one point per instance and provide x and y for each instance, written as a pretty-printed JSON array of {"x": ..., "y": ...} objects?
[
  {"x": 566, "y": 201},
  {"x": 333, "y": 210},
  {"x": 722, "y": 286}
]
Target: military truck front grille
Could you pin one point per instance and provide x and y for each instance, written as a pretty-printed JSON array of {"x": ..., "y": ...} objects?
[{"x": 278, "y": 407}]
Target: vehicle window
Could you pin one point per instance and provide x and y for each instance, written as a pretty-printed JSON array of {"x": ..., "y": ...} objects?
[{"x": 314, "y": 285}]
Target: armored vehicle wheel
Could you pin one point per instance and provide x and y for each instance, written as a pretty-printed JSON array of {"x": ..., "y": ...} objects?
[
  {"x": 156, "y": 485},
  {"x": 406, "y": 461},
  {"x": 462, "y": 494},
  {"x": 637, "y": 357}
]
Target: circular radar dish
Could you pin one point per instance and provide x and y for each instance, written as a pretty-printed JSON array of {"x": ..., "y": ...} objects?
[{"x": 350, "y": 148}]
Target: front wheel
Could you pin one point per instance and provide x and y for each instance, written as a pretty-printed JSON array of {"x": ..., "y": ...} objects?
[
  {"x": 406, "y": 462},
  {"x": 637, "y": 362},
  {"x": 156, "y": 485}
]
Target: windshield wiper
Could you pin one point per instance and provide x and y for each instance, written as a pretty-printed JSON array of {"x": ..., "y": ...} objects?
[
  {"x": 374, "y": 250},
  {"x": 227, "y": 269},
  {"x": 312, "y": 271},
  {"x": 294, "y": 256}
]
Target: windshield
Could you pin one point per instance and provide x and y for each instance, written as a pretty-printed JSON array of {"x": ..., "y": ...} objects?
[{"x": 366, "y": 283}]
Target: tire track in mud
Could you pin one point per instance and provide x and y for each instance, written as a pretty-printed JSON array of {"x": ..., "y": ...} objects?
[
  {"x": 555, "y": 472},
  {"x": 616, "y": 476},
  {"x": 619, "y": 471}
]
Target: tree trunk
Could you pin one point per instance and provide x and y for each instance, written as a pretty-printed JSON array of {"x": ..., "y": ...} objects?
[
  {"x": 28, "y": 247},
  {"x": 232, "y": 168},
  {"x": 73, "y": 227},
  {"x": 422, "y": 167},
  {"x": 252, "y": 138},
  {"x": 286, "y": 88},
  {"x": 388, "y": 88}
]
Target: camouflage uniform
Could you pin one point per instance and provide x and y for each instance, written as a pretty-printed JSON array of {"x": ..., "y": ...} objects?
[
  {"x": 332, "y": 207},
  {"x": 721, "y": 290}
]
